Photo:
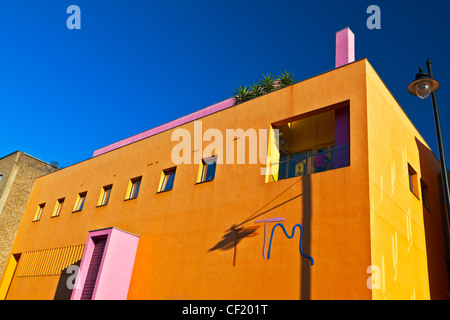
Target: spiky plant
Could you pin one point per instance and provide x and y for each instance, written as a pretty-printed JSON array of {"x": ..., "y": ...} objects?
[
  {"x": 285, "y": 79},
  {"x": 255, "y": 91},
  {"x": 267, "y": 83},
  {"x": 241, "y": 94}
]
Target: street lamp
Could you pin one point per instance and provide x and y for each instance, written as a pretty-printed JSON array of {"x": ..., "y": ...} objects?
[{"x": 423, "y": 86}]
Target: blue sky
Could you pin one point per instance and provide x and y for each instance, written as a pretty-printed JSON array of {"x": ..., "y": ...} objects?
[{"x": 135, "y": 65}]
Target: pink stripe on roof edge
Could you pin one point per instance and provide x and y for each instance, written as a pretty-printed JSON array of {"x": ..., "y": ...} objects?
[{"x": 170, "y": 125}]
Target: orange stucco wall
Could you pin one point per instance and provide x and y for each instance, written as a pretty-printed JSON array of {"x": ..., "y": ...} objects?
[
  {"x": 198, "y": 241},
  {"x": 408, "y": 243}
]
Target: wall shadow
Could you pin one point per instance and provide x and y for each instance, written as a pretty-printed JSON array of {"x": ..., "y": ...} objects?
[
  {"x": 232, "y": 237},
  {"x": 435, "y": 225},
  {"x": 236, "y": 233},
  {"x": 62, "y": 290},
  {"x": 305, "y": 274},
  {"x": 258, "y": 212}
]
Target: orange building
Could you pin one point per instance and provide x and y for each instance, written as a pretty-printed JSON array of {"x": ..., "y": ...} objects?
[{"x": 346, "y": 206}]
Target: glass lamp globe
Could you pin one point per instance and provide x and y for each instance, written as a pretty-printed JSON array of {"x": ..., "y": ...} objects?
[
  {"x": 423, "y": 85},
  {"x": 423, "y": 89}
]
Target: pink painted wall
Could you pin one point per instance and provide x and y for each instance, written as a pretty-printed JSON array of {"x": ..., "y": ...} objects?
[
  {"x": 115, "y": 271},
  {"x": 191, "y": 117},
  {"x": 345, "y": 47},
  {"x": 117, "y": 266},
  {"x": 342, "y": 138}
]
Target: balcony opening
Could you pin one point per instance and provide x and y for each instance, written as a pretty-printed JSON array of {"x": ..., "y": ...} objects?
[{"x": 312, "y": 144}]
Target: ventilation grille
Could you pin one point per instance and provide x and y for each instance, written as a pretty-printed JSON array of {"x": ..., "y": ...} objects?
[{"x": 48, "y": 262}]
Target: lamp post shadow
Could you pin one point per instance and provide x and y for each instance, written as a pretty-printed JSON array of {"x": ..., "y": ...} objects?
[
  {"x": 236, "y": 233},
  {"x": 305, "y": 273}
]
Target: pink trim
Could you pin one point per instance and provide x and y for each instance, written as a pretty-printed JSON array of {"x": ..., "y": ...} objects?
[
  {"x": 175, "y": 123},
  {"x": 342, "y": 137},
  {"x": 345, "y": 47},
  {"x": 278, "y": 219},
  {"x": 115, "y": 271}
]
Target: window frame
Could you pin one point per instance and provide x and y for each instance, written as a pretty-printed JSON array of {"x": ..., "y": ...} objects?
[
  {"x": 426, "y": 201},
  {"x": 164, "y": 178},
  {"x": 81, "y": 200},
  {"x": 203, "y": 169},
  {"x": 38, "y": 213},
  {"x": 131, "y": 190},
  {"x": 105, "y": 195},
  {"x": 413, "y": 181},
  {"x": 58, "y": 207}
]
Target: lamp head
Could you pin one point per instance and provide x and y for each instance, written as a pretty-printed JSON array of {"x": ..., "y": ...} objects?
[{"x": 423, "y": 85}]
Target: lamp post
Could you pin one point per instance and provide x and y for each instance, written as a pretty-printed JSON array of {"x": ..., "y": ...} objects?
[{"x": 422, "y": 86}]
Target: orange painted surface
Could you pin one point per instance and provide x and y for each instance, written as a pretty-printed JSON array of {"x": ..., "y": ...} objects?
[
  {"x": 408, "y": 243},
  {"x": 200, "y": 241}
]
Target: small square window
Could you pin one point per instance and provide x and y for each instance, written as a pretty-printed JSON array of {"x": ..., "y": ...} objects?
[
  {"x": 133, "y": 188},
  {"x": 58, "y": 207},
  {"x": 104, "y": 196},
  {"x": 413, "y": 181},
  {"x": 207, "y": 169},
  {"x": 425, "y": 195},
  {"x": 168, "y": 178},
  {"x": 38, "y": 213},
  {"x": 80, "y": 202}
]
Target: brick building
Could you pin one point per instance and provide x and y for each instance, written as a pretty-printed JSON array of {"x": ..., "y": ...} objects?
[{"x": 18, "y": 171}]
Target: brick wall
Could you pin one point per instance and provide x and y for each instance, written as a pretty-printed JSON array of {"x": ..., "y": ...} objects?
[{"x": 18, "y": 171}]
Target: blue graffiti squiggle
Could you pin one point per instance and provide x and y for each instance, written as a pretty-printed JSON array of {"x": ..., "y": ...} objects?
[{"x": 290, "y": 237}]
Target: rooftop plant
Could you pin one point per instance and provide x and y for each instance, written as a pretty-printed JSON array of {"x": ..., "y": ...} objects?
[
  {"x": 285, "y": 79},
  {"x": 255, "y": 91},
  {"x": 241, "y": 94},
  {"x": 266, "y": 84}
]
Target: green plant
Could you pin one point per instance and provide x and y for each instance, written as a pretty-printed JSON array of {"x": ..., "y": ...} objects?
[
  {"x": 285, "y": 79},
  {"x": 241, "y": 94},
  {"x": 267, "y": 83},
  {"x": 255, "y": 91}
]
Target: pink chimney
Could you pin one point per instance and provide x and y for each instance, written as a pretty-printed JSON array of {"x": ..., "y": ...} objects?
[{"x": 345, "y": 47}]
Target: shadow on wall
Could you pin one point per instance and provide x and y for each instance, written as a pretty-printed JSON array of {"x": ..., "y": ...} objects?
[
  {"x": 435, "y": 224},
  {"x": 305, "y": 273},
  {"x": 236, "y": 233},
  {"x": 232, "y": 237},
  {"x": 63, "y": 292}
]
